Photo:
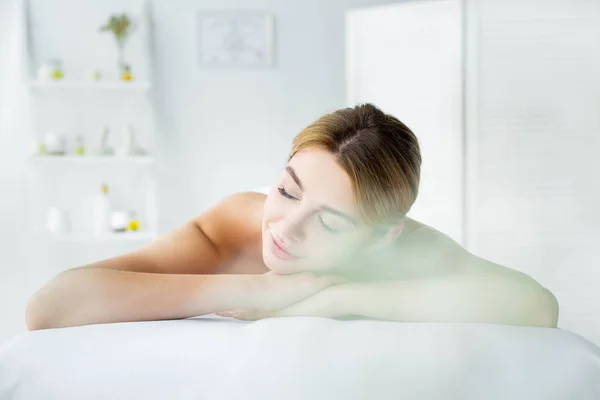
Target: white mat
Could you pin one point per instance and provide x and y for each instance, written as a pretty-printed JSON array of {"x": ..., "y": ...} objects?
[{"x": 299, "y": 358}]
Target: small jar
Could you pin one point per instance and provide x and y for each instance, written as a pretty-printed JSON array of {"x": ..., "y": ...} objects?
[
  {"x": 93, "y": 75},
  {"x": 54, "y": 143},
  {"x": 50, "y": 70},
  {"x": 79, "y": 148},
  {"x": 134, "y": 223}
]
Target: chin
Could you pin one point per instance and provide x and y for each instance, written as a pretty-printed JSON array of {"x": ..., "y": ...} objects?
[{"x": 279, "y": 266}]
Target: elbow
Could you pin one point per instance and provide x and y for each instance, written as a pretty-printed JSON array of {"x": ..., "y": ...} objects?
[
  {"x": 43, "y": 309},
  {"x": 546, "y": 310},
  {"x": 35, "y": 317},
  {"x": 551, "y": 309},
  {"x": 39, "y": 314}
]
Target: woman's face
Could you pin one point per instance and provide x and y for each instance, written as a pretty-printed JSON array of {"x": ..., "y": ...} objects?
[{"x": 310, "y": 222}]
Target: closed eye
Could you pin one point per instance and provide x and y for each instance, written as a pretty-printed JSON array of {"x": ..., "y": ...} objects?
[
  {"x": 285, "y": 194},
  {"x": 326, "y": 227}
]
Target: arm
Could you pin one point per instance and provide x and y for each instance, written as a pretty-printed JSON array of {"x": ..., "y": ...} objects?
[
  {"x": 492, "y": 294},
  {"x": 475, "y": 300},
  {"x": 461, "y": 287},
  {"x": 173, "y": 277},
  {"x": 457, "y": 299},
  {"x": 98, "y": 295}
]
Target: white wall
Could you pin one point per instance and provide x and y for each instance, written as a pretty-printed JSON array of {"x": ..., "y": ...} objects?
[
  {"x": 534, "y": 136},
  {"x": 221, "y": 131}
]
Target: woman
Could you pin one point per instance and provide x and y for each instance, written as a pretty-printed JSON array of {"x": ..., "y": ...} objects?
[{"x": 331, "y": 239}]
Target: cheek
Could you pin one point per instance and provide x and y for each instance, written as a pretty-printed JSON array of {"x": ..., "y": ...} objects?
[{"x": 330, "y": 250}]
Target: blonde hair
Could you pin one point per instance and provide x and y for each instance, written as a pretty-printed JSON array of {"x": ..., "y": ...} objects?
[{"x": 379, "y": 153}]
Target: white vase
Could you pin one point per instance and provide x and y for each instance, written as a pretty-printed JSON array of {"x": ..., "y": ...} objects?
[{"x": 128, "y": 145}]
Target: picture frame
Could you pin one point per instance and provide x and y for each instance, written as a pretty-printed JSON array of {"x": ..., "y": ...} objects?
[{"x": 235, "y": 39}]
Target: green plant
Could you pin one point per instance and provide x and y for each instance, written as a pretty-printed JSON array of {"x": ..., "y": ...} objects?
[{"x": 121, "y": 27}]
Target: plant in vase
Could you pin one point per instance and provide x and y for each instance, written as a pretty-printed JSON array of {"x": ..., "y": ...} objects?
[{"x": 121, "y": 27}]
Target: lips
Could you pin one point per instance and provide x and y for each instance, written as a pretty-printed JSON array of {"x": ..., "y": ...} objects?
[{"x": 280, "y": 251}]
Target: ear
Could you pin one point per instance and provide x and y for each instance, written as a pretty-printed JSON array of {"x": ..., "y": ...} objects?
[{"x": 385, "y": 236}]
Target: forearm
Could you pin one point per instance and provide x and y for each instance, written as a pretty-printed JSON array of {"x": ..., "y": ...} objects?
[
  {"x": 94, "y": 295},
  {"x": 403, "y": 301},
  {"x": 465, "y": 299}
]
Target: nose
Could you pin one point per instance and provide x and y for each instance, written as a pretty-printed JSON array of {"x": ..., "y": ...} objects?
[{"x": 293, "y": 226}]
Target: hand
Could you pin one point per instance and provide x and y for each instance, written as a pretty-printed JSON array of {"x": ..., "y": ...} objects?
[
  {"x": 326, "y": 303},
  {"x": 271, "y": 291}
]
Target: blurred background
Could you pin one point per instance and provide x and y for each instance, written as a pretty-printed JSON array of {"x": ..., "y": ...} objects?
[{"x": 122, "y": 119}]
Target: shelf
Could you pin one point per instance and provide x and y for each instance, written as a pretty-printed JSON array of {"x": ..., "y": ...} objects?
[
  {"x": 91, "y": 238},
  {"x": 91, "y": 160},
  {"x": 139, "y": 86}
]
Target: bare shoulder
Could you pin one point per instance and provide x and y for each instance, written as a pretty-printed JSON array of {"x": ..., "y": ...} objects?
[
  {"x": 449, "y": 258},
  {"x": 235, "y": 221},
  {"x": 424, "y": 250},
  {"x": 425, "y": 243}
]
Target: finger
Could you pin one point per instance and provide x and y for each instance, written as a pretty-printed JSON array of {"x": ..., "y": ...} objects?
[
  {"x": 227, "y": 313},
  {"x": 245, "y": 315}
]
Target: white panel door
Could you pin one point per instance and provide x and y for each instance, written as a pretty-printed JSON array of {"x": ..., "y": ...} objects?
[
  {"x": 407, "y": 60},
  {"x": 537, "y": 139}
]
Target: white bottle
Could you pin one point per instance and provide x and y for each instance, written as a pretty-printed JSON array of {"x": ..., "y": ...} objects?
[
  {"x": 128, "y": 142},
  {"x": 102, "y": 212}
]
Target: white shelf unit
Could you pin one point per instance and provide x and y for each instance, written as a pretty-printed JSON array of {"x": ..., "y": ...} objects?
[
  {"x": 91, "y": 239},
  {"x": 75, "y": 160},
  {"x": 71, "y": 181},
  {"x": 73, "y": 85}
]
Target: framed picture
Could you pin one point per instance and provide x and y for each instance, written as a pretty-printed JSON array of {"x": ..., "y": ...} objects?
[{"x": 235, "y": 39}]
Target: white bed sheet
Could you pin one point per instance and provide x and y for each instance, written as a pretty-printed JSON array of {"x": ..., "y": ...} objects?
[{"x": 299, "y": 358}]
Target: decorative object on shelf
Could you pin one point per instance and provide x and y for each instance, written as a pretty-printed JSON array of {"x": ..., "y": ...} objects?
[
  {"x": 102, "y": 210},
  {"x": 103, "y": 148},
  {"x": 50, "y": 70},
  {"x": 79, "y": 148},
  {"x": 134, "y": 223},
  {"x": 93, "y": 75},
  {"x": 57, "y": 221},
  {"x": 121, "y": 27},
  {"x": 130, "y": 147},
  {"x": 119, "y": 221},
  {"x": 235, "y": 39},
  {"x": 54, "y": 143},
  {"x": 39, "y": 148},
  {"x": 126, "y": 74}
]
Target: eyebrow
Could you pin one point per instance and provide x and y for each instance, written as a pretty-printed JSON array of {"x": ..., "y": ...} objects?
[
  {"x": 292, "y": 173},
  {"x": 347, "y": 217}
]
